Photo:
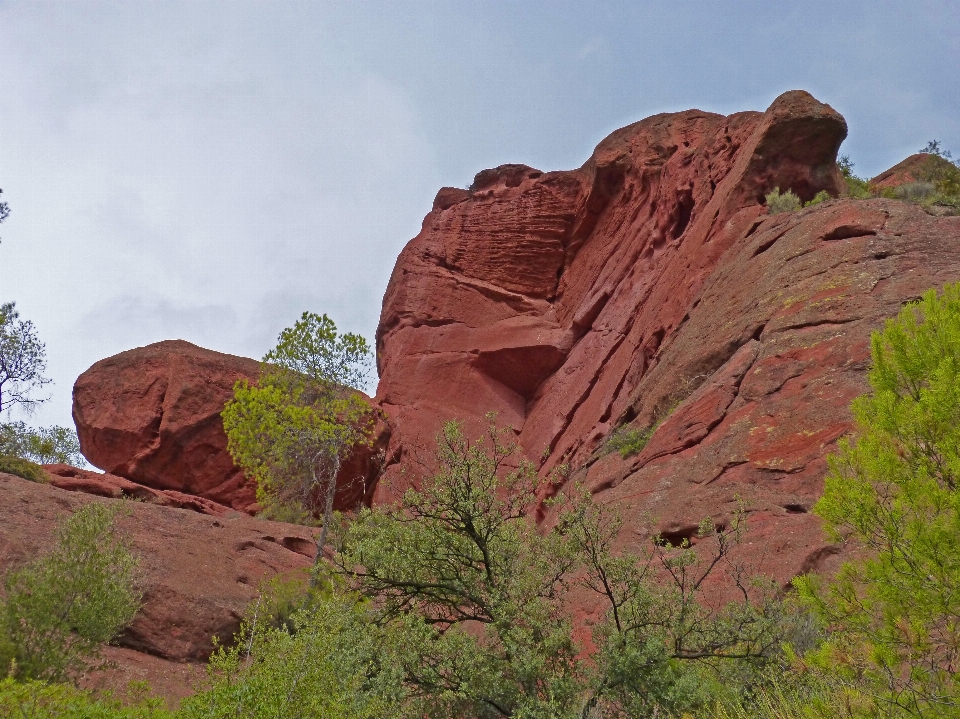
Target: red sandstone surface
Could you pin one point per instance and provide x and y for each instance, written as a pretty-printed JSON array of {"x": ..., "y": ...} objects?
[{"x": 651, "y": 285}]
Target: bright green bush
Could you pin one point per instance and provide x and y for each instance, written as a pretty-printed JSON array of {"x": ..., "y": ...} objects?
[
  {"x": 821, "y": 196},
  {"x": 895, "y": 489},
  {"x": 778, "y": 203},
  {"x": 63, "y": 606},
  {"x": 291, "y": 429},
  {"x": 23, "y": 468},
  {"x": 39, "y": 700},
  {"x": 857, "y": 187}
]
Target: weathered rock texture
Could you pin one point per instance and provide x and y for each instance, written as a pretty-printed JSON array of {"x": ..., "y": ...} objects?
[
  {"x": 198, "y": 573},
  {"x": 73, "y": 479},
  {"x": 651, "y": 285},
  {"x": 151, "y": 415}
]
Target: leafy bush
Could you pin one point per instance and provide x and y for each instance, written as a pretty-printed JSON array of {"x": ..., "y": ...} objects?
[
  {"x": 821, "y": 196},
  {"x": 896, "y": 490},
  {"x": 914, "y": 191},
  {"x": 857, "y": 187},
  {"x": 629, "y": 441},
  {"x": 291, "y": 430},
  {"x": 39, "y": 700},
  {"x": 330, "y": 662},
  {"x": 778, "y": 203},
  {"x": 22, "y": 468},
  {"x": 47, "y": 445},
  {"x": 474, "y": 594},
  {"x": 62, "y": 607}
]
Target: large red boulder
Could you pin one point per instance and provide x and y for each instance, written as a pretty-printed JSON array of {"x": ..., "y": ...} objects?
[
  {"x": 151, "y": 415},
  {"x": 650, "y": 287}
]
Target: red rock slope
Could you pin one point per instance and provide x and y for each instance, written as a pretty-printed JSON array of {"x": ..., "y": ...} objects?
[
  {"x": 648, "y": 286},
  {"x": 199, "y": 573}
]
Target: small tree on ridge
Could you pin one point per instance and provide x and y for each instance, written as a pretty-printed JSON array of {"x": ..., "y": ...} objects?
[{"x": 291, "y": 430}]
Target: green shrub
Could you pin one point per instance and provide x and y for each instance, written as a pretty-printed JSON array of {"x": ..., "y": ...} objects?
[
  {"x": 914, "y": 191},
  {"x": 22, "y": 468},
  {"x": 629, "y": 441},
  {"x": 857, "y": 187},
  {"x": 821, "y": 196},
  {"x": 62, "y": 607},
  {"x": 895, "y": 489},
  {"x": 331, "y": 662},
  {"x": 794, "y": 698},
  {"x": 778, "y": 203},
  {"x": 39, "y": 700}
]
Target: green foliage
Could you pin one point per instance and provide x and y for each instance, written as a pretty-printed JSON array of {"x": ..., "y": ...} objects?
[
  {"x": 663, "y": 647},
  {"x": 62, "y": 607},
  {"x": 914, "y": 191},
  {"x": 312, "y": 348},
  {"x": 460, "y": 571},
  {"x": 894, "y": 615},
  {"x": 943, "y": 174},
  {"x": 821, "y": 196},
  {"x": 778, "y": 203},
  {"x": 857, "y": 187},
  {"x": 291, "y": 430},
  {"x": 330, "y": 662},
  {"x": 47, "y": 445},
  {"x": 460, "y": 568},
  {"x": 797, "y": 698},
  {"x": 40, "y": 700},
  {"x": 23, "y": 468},
  {"x": 4, "y": 210},
  {"x": 629, "y": 441},
  {"x": 22, "y": 360},
  {"x": 933, "y": 148}
]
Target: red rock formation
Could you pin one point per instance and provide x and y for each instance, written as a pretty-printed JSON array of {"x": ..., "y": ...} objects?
[
  {"x": 915, "y": 168},
  {"x": 199, "y": 573},
  {"x": 151, "y": 415},
  {"x": 651, "y": 285},
  {"x": 72, "y": 479}
]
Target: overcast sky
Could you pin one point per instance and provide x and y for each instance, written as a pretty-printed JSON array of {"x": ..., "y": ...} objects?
[{"x": 207, "y": 171}]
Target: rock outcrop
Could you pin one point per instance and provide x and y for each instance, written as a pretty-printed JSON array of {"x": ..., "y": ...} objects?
[
  {"x": 73, "y": 479},
  {"x": 151, "y": 415},
  {"x": 650, "y": 288},
  {"x": 647, "y": 290},
  {"x": 198, "y": 573}
]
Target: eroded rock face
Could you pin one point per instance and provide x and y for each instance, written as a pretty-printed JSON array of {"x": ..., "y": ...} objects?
[
  {"x": 651, "y": 286},
  {"x": 199, "y": 573},
  {"x": 151, "y": 415}
]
